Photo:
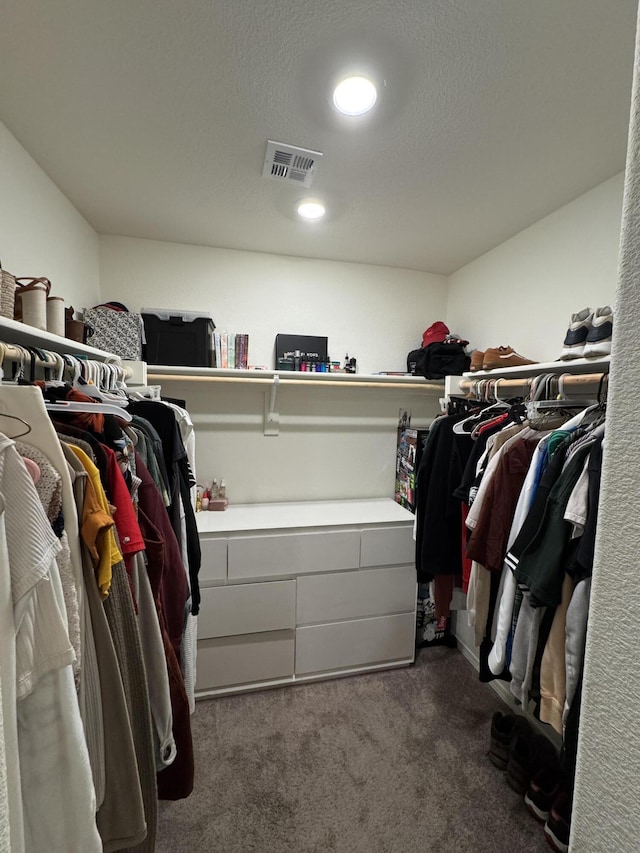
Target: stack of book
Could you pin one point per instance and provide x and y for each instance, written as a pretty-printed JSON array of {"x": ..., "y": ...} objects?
[{"x": 231, "y": 350}]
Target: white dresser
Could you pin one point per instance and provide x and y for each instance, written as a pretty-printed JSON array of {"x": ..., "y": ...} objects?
[{"x": 302, "y": 591}]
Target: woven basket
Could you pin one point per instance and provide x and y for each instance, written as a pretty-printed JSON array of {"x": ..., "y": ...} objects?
[
  {"x": 7, "y": 293},
  {"x": 31, "y": 302}
]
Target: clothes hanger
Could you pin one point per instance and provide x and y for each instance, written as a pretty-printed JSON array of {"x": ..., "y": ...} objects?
[
  {"x": 92, "y": 408},
  {"x": 468, "y": 424},
  {"x": 22, "y": 421}
]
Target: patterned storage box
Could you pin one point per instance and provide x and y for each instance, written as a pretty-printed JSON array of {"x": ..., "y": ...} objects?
[{"x": 114, "y": 329}]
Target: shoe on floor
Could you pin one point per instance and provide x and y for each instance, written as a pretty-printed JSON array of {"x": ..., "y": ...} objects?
[
  {"x": 576, "y": 337},
  {"x": 502, "y": 357},
  {"x": 542, "y": 791},
  {"x": 558, "y": 825},
  {"x": 504, "y": 727},
  {"x": 598, "y": 341},
  {"x": 477, "y": 360},
  {"x": 528, "y": 754}
]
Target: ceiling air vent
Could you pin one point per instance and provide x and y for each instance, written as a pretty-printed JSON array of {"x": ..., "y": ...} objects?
[{"x": 290, "y": 163}]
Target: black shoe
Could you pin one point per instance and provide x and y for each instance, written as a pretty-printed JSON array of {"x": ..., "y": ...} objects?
[
  {"x": 528, "y": 754},
  {"x": 504, "y": 727},
  {"x": 558, "y": 825},
  {"x": 542, "y": 791}
]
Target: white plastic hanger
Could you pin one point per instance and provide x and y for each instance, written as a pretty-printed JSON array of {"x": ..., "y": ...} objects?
[{"x": 92, "y": 408}]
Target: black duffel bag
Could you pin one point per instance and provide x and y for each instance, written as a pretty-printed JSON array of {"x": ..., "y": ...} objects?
[{"x": 438, "y": 360}]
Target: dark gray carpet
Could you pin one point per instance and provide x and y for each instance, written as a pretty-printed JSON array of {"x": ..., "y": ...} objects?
[{"x": 393, "y": 762}]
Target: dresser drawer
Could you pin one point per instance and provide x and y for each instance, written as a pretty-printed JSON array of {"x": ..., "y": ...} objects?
[
  {"x": 292, "y": 554},
  {"x": 245, "y": 659},
  {"x": 214, "y": 560},
  {"x": 387, "y": 546},
  {"x": 353, "y": 595},
  {"x": 341, "y": 645},
  {"x": 247, "y": 609}
]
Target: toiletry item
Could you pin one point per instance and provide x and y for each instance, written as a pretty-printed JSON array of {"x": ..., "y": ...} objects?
[
  {"x": 198, "y": 500},
  {"x": 213, "y": 491},
  {"x": 218, "y": 505},
  {"x": 222, "y": 490},
  {"x": 205, "y": 499},
  {"x": 297, "y": 359}
]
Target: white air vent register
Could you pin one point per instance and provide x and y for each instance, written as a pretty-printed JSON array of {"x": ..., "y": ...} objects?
[{"x": 290, "y": 163}]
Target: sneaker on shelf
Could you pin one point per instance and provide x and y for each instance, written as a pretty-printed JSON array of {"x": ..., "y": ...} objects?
[
  {"x": 576, "y": 337},
  {"x": 558, "y": 825},
  {"x": 502, "y": 357},
  {"x": 527, "y": 755},
  {"x": 477, "y": 360},
  {"x": 504, "y": 727},
  {"x": 598, "y": 341},
  {"x": 542, "y": 791}
]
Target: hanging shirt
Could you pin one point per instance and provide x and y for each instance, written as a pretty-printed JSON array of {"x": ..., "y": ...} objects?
[
  {"x": 51, "y": 740},
  {"x": 105, "y": 548}
]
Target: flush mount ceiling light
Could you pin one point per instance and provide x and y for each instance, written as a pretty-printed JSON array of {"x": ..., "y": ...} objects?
[
  {"x": 311, "y": 210},
  {"x": 354, "y": 96}
]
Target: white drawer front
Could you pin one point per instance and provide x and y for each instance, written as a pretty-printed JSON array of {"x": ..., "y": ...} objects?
[
  {"x": 388, "y": 546},
  {"x": 324, "y": 648},
  {"x": 214, "y": 560},
  {"x": 244, "y": 659},
  {"x": 352, "y": 595},
  {"x": 247, "y": 609},
  {"x": 293, "y": 554}
]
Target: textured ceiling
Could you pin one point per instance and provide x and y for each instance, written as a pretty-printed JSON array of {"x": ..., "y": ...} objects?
[{"x": 152, "y": 116}]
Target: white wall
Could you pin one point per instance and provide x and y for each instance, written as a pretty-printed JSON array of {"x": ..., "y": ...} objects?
[
  {"x": 523, "y": 292},
  {"x": 605, "y": 811},
  {"x": 41, "y": 233},
  {"x": 376, "y": 314},
  {"x": 333, "y": 443}
]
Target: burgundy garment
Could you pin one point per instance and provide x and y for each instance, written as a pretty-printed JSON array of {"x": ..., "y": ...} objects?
[
  {"x": 443, "y": 593},
  {"x": 487, "y": 543},
  {"x": 175, "y": 782},
  {"x": 171, "y": 588},
  {"x": 466, "y": 561}
]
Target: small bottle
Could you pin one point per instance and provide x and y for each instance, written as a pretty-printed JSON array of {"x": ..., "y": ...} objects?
[
  {"x": 213, "y": 494},
  {"x": 205, "y": 499},
  {"x": 222, "y": 490},
  {"x": 198, "y": 500}
]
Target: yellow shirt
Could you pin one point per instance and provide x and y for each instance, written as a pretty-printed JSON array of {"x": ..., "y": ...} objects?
[{"x": 97, "y": 525}]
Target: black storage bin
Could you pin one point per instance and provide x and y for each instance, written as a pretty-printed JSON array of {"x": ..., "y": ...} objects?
[{"x": 178, "y": 338}]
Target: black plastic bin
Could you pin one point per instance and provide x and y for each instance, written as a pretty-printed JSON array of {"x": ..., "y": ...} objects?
[{"x": 178, "y": 338}]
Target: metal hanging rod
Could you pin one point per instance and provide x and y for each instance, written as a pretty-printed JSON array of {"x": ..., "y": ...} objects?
[
  {"x": 284, "y": 380},
  {"x": 521, "y": 387}
]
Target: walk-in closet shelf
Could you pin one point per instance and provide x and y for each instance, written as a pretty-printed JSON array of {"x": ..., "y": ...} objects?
[
  {"x": 14, "y": 332},
  {"x": 574, "y": 366},
  {"x": 302, "y": 591}
]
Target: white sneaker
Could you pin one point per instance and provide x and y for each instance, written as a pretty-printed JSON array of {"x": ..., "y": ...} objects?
[
  {"x": 599, "y": 337},
  {"x": 577, "y": 333}
]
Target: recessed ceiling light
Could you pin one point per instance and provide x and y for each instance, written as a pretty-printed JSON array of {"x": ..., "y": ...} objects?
[
  {"x": 311, "y": 210},
  {"x": 354, "y": 96}
]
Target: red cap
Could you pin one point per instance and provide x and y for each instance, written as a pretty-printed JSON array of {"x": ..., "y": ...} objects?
[{"x": 435, "y": 334}]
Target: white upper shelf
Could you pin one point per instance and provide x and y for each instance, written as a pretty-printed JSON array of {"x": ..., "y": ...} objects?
[
  {"x": 13, "y": 332},
  {"x": 573, "y": 366}
]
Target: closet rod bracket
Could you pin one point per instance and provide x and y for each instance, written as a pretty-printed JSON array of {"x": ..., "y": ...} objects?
[{"x": 271, "y": 415}]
